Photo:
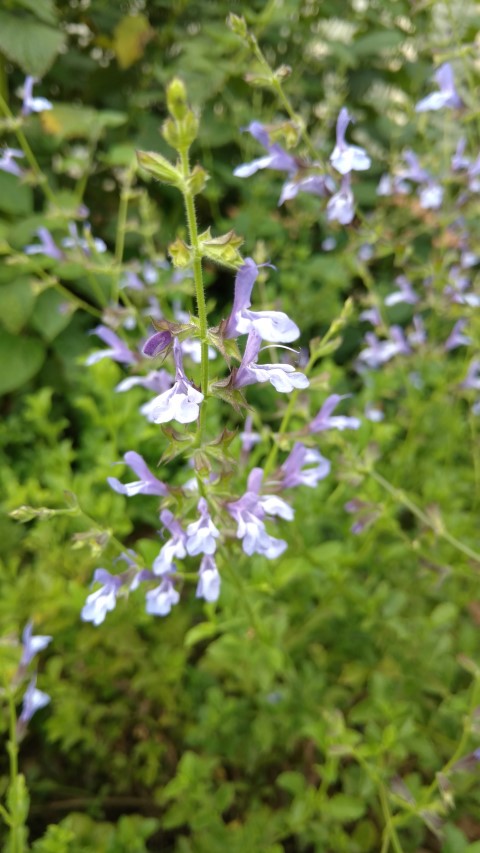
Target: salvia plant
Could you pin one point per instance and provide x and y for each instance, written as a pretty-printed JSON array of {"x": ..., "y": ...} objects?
[{"x": 234, "y": 441}]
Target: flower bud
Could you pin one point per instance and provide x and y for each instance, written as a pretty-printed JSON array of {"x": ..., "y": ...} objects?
[{"x": 177, "y": 99}]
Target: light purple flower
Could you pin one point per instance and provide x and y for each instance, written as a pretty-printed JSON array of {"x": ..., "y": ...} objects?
[
  {"x": 32, "y": 644},
  {"x": 379, "y": 352},
  {"x": 405, "y": 292},
  {"x": 418, "y": 335},
  {"x": 456, "y": 337},
  {"x": 147, "y": 484},
  {"x": 33, "y": 700},
  {"x": 46, "y": 246},
  {"x": 321, "y": 185},
  {"x": 371, "y": 315},
  {"x": 324, "y": 420},
  {"x": 7, "y": 161},
  {"x": 472, "y": 379},
  {"x": 201, "y": 534},
  {"x": 161, "y": 599},
  {"x": 209, "y": 579},
  {"x": 413, "y": 171},
  {"x": 347, "y": 158},
  {"x": 31, "y": 104},
  {"x": 446, "y": 97},
  {"x": 99, "y": 603},
  {"x": 373, "y": 413},
  {"x": 341, "y": 206},
  {"x": 459, "y": 161},
  {"x": 250, "y": 510},
  {"x": 156, "y": 380},
  {"x": 367, "y": 514},
  {"x": 389, "y": 185},
  {"x": 276, "y": 157},
  {"x": 248, "y": 437},
  {"x": 77, "y": 242},
  {"x": 180, "y": 403},
  {"x": 117, "y": 349},
  {"x": 272, "y": 326},
  {"x": 294, "y": 471},
  {"x": 283, "y": 377},
  {"x": 174, "y": 548},
  {"x": 431, "y": 196}
]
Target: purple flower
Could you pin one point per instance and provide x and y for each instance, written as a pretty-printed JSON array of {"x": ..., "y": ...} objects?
[
  {"x": 32, "y": 644},
  {"x": 379, "y": 352},
  {"x": 31, "y": 104},
  {"x": 117, "y": 349},
  {"x": 388, "y": 186},
  {"x": 249, "y": 512},
  {"x": 99, "y": 603},
  {"x": 347, "y": 158},
  {"x": 418, "y": 336},
  {"x": 174, "y": 548},
  {"x": 47, "y": 245},
  {"x": 367, "y": 514},
  {"x": 276, "y": 157},
  {"x": 374, "y": 414},
  {"x": 371, "y": 315},
  {"x": 414, "y": 172},
  {"x": 201, "y": 534},
  {"x": 7, "y": 161},
  {"x": 156, "y": 380},
  {"x": 33, "y": 700},
  {"x": 147, "y": 484},
  {"x": 77, "y": 242},
  {"x": 283, "y": 377},
  {"x": 248, "y": 437},
  {"x": 341, "y": 207},
  {"x": 294, "y": 471},
  {"x": 181, "y": 402},
  {"x": 272, "y": 326},
  {"x": 431, "y": 196},
  {"x": 209, "y": 579},
  {"x": 446, "y": 97},
  {"x": 405, "y": 292},
  {"x": 459, "y": 161},
  {"x": 161, "y": 599},
  {"x": 324, "y": 420},
  {"x": 472, "y": 379},
  {"x": 157, "y": 343},
  {"x": 321, "y": 185},
  {"x": 456, "y": 337}
]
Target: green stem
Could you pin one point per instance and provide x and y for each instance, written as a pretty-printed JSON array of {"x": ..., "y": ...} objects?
[
  {"x": 402, "y": 498},
  {"x": 16, "y": 844},
  {"x": 199, "y": 286},
  {"x": 121, "y": 230}
]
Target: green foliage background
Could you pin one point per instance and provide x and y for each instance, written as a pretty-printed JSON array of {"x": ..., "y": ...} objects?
[{"x": 321, "y": 698}]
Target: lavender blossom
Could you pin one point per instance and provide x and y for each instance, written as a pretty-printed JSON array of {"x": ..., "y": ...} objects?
[
  {"x": 341, "y": 207},
  {"x": 7, "y": 161},
  {"x": 379, "y": 352},
  {"x": 47, "y": 246},
  {"x": 446, "y": 97},
  {"x": 148, "y": 484},
  {"x": 405, "y": 292},
  {"x": 201, "y": 534},
  {"x": 99, "y": 603},
  {"x": 459, "y": 162},
  {"x": 283, "y": 377},
  {"x": 320, "y": 185},
  {"x": 174, "y": 548},
  {"x": 276, "y": 157},
  {"x": 209, "y": 580},
  {"x": 250, "y": 510},
  {"x": 248, "y": 437},
  {"x": 272, "y": 326},
  {"x": 156, "y": 380},
  {"x": 117, "y": 349},
  {"x": 324, "y": 420},
  {"x": 418, "y": 335},
  {"x": 33, "y": 700},
  {"x": 161, "y": 599},
  {"x": 77, "y": 242},
  {"x": 456, "y": 337},
  {"x": 431, "y": 196},
  {"x": 347, "y": 158},
  {"x": 181, "y": 402},
  {"x": 472, "y": 379},
  {"x": 294, "y": 471},
  {"x": 32, "y": 644},
  {"x": 31, "y": 104},
  {"x": 157, "y": 343}
]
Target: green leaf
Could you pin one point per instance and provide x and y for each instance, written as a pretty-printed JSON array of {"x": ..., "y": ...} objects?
[
  {"x": 48, "y": 318},
  {"x": 20, "y": 359},
  {"x": 31, "y": 45},
  {"x": 16, "y": 303},
  {"x": 69, "y": 122},
  {"x": 44, "y": 10},
  {"x": 344, "y": 808},
  {"x": 16, "y": 199},
  {"x": 204, "y": 631}
]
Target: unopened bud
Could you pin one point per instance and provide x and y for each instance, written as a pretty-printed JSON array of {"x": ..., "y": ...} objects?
[{"x": 177, "y": 99}]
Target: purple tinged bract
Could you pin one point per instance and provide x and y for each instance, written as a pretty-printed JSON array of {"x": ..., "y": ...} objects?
[
  {"x": 272, "y": 326},
  {"x": 157, "y": 343},
  {"x": 147, "y": 484}
]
